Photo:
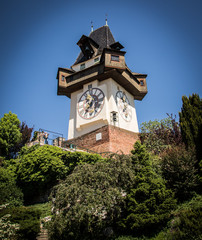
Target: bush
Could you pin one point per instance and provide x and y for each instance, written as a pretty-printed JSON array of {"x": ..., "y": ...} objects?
[
  {"x": 186, "y": 222},
  {"x": 40, "y": 168},
  {"x": 178, "y": 168},
  {"x": 8, "y": 230},
  {"x": 9, "y": 192},
  {"x": 28, "y": 220},
  {"x": 158, "y": 135},
  {"x": 89, "y": 202}
]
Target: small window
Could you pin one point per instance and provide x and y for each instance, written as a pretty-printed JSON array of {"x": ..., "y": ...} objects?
[
  {"x": 141, "y": 82},
  {"x": 96, "y": 59},
  {"x": 82, "y": 66},
  {"x": 114, "y": 117},
  {"x": 114, "y": 58},
  {"x": 90, "y": 86},
  {"x": 63, "y": 77}
]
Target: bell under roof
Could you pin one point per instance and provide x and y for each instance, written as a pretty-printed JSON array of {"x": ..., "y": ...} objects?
[{"x": 103, "y": 37}]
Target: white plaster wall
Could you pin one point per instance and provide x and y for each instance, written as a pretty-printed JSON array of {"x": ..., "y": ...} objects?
[
  {"x": 112, "y": 90},
  {"x": 88, "y": 64},
  {"x": 79, "y": 126}
]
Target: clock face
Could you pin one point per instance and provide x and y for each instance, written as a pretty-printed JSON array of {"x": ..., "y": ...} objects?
[
  {"x": 91, "y": 103},
  {"x": 124, "y": 106}
]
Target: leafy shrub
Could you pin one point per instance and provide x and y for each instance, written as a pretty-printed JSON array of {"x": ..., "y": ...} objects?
[
  {"x": 158, "y": 135},
  {"x": 9, "y": 192},
  {"x": 178, "y": 168},
  {"x": 28, "y": 220},
  {"x": 44, "y": 208},
  {"x": 89, "y": 202},
  {"x": 149, "y": 203},
  {"x": 186, "y": 222},
  {"x": 40, "y": 168},
  {"x": 7, "y": 229}
]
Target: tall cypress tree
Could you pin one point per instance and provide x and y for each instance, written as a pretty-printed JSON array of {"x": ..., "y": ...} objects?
[{"x": 191, "y": 123}]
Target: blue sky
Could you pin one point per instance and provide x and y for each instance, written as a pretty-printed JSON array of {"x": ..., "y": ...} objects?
[{"x": 161, "y": 38}]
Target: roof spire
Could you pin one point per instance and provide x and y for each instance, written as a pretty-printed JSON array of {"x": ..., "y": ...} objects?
[
  {"x": 106, "y": 20},
  {"x": 91, "y": 26}
]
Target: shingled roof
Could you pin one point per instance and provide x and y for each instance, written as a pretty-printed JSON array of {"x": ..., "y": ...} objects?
[{"x": 103, "y": 37}]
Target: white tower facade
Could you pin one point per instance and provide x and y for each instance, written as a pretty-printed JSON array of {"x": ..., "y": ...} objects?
[
  {"x": 112, "y": 110},
  {"x": 102, "y": 90}
]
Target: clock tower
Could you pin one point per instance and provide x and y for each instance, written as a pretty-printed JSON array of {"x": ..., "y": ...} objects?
[{"x": 102, "y": 90}]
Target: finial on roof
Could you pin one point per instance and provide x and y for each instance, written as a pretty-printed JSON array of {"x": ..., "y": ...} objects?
[
  {"x": 91, "y": 26},
  {"x": 106, "y": 20}
]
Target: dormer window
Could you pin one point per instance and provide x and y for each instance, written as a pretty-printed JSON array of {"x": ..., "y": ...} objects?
[
  {"x": 115, "y": 58},
  {"x": 82, "y": 66},
  {"x": 116, "y": 46},
  {"x": 63, "y": 78},
  {"x": 96, "y": 60},
  {"x": 88, "y": 51},
  {"x": 141, "y": 82}
]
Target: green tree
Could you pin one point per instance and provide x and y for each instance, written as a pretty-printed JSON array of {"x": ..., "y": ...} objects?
[
  {"x": 149, "y": 202},
  {"x": 26, "y": 136},
  {"x": 191, "y": 123},
  {"x": 89, "y": 202},
  {"x": 9, "y": 193},
  {"x": 10, "y": 134},
  {"x": 186, "y": 222},
  {"x": 158, "y": 135},
  {"x": 39, "y": 168},
  {"x": 28, "y": 220},
  {"x": 178, "y": 168}
]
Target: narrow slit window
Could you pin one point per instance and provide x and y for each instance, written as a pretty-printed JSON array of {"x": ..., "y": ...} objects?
[
  {"x": 63, "y": 78},
  {"x": 141, "y": 82}
]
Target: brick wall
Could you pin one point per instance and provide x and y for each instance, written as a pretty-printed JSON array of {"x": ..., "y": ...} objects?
[
  {"x": 113, "y": 139},
  {"x": 122, "y": 141}
]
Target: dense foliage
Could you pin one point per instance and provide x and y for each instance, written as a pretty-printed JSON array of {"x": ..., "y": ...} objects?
[
  {"x": 185, "y": 223},
  {"x": 10, "y": 134},
  {"x": 28, "y": 220},
  {"x": 158, "y": 135},
  {"x": 41, "y": 167},
  {"x": 8, "y": 230},
  {"x": 191, "y": 123},
  {"x": 149, "y": 203},
  {"x": 96, "y": 198},
  {"x": 26, "y": 136},
  {"x": 89, "y": 202},
  {"x": 9, "y": 192},
  {"x": 178, "y": 168}
]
